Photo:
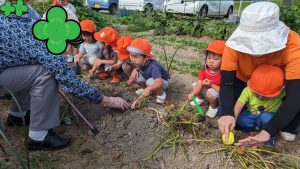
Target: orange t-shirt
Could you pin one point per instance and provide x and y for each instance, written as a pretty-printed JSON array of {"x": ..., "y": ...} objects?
[{"x": 288, "y": 59}]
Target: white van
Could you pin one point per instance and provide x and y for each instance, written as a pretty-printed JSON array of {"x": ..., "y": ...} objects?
[
  {"x": 202, "y": 7},
  {"x": 141, "y": 5}
]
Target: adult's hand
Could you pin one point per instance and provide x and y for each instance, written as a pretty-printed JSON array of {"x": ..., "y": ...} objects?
[
  {"x": 254, "y": 141},
  {"x": 118, "y": 102},
  {"x": 226, "y": 124}
]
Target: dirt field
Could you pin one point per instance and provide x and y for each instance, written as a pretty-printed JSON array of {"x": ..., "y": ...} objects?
[{"x": 127, "y": 139}]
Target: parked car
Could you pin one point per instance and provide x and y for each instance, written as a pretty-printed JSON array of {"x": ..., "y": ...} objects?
[
  {"x": 202, "y": 7},
  {"x": 110, "y": 5},
  {"x": 141, "y": 5}
]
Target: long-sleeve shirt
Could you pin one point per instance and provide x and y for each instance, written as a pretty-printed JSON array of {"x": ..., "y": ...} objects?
[{"x": 19, "y": 47}]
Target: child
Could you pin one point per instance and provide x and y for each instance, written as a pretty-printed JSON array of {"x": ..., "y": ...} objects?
[
  {"x": 209, "y": 77},
  {"x": 72, "y": 49},
  {"x": 108, "y": 57},
  {"x": 90, "y": 49},
  {"x": 263, "y": 96},
  {"x": 148, "y": 73},
  {"x": 123, "y": 56}
]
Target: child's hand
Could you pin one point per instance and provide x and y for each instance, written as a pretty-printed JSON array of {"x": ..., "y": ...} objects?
[
  {"x": 146, "y": 92},
  {"x": 135, "y": 104},
  {"x": 97, "y": 63},
  {"x": 190, "y": 96},
  {"x": 207, "y": 83},
  {"x": 92, "y": 71}
]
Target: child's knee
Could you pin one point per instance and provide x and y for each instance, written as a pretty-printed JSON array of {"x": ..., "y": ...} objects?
[
  {"x": 246, "y": 120},
  {"x": 209, "y": 95},
  {"x": 150, "y": 82},
  {"x": 266, "y": 117}
]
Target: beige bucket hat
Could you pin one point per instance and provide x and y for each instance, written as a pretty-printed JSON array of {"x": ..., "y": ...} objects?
[{"x": 260, "y": 31}]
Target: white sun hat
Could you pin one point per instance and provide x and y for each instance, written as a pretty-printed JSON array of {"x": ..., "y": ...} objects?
[{"x": 260, "y": 31}]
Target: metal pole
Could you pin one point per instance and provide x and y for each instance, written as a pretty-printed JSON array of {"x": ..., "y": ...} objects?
[{"x": 93, "y": 129}]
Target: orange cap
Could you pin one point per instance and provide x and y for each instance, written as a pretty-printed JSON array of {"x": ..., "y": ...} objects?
[
  {"x": 141, "y": 46},
  {"x": 122, "y": 45},
  {"x": 267, "y": 80},
  {"x": 54, "y": 2},
  {"x": 107, "y": 35},
  {"x": 215, "y": 46},
  {"x": 88, "y": 26}
]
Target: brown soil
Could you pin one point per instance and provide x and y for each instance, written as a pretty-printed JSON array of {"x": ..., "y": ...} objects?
[{"x": 126, "y": 139}]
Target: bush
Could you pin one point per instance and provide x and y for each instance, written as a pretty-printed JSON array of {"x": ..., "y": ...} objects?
[{"x": 290, "y": 14}]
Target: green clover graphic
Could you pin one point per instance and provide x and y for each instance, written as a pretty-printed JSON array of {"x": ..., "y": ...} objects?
[
  {"x": 20, "y": 8},
  {"x": 7, "y": 8},
  {"x": 56, "y": 30}
]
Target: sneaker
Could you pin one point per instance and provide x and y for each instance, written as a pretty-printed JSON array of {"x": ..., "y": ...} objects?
[
  {"x": 70, "y": 58},
  {"x": 103, "y": 75},
  {"x": 199, "y": 101},
  {"x": 116, "y": 78},
  {"x": 139, "y": 92},
  {"x": 287, "y": 136},
  {"x": 211, "y": 112},
  {"x": 17, "y": 121},
  {"x": 52, "y": 142},
  {"x": 161, "y": 99}
]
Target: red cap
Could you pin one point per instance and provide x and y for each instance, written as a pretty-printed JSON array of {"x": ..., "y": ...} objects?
[
  {"x": 215, "y": 46},
  {"x": 141, "y": 46},
  {"x": 88, "y": 26},
  {"x": 267, "y": 80},
  {"x": 122, "y": 45},
  {"x": 107, "y": 35}
]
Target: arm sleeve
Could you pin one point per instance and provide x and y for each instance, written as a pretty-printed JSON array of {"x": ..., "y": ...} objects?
[
  {"x": 229, "y": 60},
  {"x": 227, "y": 92},
  {"x": 292, "y": 57},
  {"x": 156, "y": 73},
  {"x": 287, "y": 111},
  {"x": 81, "y": 49},
  {"x": 201, "y": 75}
]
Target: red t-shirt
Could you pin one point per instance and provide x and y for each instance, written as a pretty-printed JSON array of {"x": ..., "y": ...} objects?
[{"x": 214, "y": 77}]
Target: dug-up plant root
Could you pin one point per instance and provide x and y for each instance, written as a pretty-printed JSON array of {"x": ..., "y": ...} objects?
[
  {"x": 260, "y": 158},
  {"x": 177, "y": 122}
]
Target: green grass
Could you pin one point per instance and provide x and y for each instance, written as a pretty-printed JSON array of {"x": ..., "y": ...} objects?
[
  {"x": 46, "y": 160},
  {"x": 181, "y": 66},
  {"x": 137, "y": 28},
  {"x": 237, "y": 5}
]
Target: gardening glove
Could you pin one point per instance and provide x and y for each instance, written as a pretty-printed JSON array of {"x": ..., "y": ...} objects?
[{"x": 118, "y": 102}]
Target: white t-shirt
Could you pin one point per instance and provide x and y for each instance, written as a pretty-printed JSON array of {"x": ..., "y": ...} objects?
[{"x": 71, "y": 7}]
